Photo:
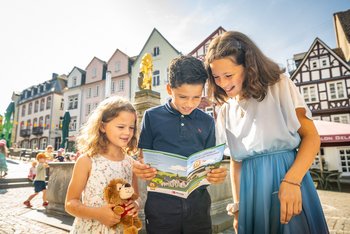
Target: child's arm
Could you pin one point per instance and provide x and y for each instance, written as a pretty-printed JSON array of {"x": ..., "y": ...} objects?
[
  {"x": 235, "y": 175},
  {"x": 133, "y": 207},
  {"x": 289, "y": 193},
  {"x": 142, "y": 170},
  {"x": 73, "y": 205}
]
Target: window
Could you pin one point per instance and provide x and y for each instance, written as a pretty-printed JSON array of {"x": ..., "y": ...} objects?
[
  {"x": 210, "y": 111},
  {"x": 29, "y": 124},
  {"x": 73, "y": 124},
  {"x": 35, "y": 122},
  {"x": 62, "y": 104},
  {"x": 41, "y": 121},
  {"x": 324, "y": 62},
  {"x": 74, "y": 81},
  {"x": 113, "y": 87},
  {"x": 22, "y": 125},
  {"x": 156, "y": 51},
  {"x": 30, "y": 108},
  {"x": 72, "y": 102},
  {"x": 117, "y": 66},
  {"x": 206, "y": 48},
  {"x": 341, "y": 118},
  {"x": 97, "y": 91},
  {"x": 316, "y": 162},
  {"x": 36, "y": 106},
  {"x": 94, "y": 72},
  {"x": 48, "y": 103},
  {"x": 88, "y": 109},
  {"x": 42, "y": 104},
  {"x": 344, "y": 155},
  {"x": 88, "y": 93},
  {"x": 121, "y": 85},
  {"x": 336, "y": 90},
  {"x": 47, "y": 122},
  {"x": 314, "y": 64},
  {"x": 23, "y": 110},
  {"x": 310, "y": 93},
  {"x": 156, "y": 78}
]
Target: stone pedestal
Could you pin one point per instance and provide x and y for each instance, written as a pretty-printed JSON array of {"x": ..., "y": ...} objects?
[
  {"x": 60, "y": 175},
  {"x": 144, "y": 100}
]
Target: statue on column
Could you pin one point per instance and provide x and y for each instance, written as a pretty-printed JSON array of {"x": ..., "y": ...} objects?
[{"x": 145, "y": 75}]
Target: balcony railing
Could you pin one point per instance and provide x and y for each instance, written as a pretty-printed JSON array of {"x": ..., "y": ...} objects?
[
  {"x": 38, "y": 131},
  {"x": 24, "y": 132}
]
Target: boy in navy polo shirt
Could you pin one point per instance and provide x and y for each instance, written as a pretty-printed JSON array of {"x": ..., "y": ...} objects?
[{"x": 179, "y": 127}]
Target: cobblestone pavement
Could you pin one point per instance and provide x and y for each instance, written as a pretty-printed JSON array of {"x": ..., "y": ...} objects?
[
  {"x": 12, "y": 209},
  {"x": 336, "y": 207}
]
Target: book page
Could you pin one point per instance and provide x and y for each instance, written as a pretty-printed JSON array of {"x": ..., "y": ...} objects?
[{"x": 178, "y": 175}]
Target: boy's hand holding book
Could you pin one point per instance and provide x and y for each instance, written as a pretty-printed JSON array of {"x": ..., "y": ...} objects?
[
  {"x": 144, "y": 171},
  {"x": 217, "y": 175}
]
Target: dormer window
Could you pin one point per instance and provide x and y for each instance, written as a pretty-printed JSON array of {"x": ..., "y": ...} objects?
[
  {"x": 117, "y": 66},
  {"x": 156, "y": 51},
  {"x": 74, "y": 81},
  {"x": 94, "y": 72}
]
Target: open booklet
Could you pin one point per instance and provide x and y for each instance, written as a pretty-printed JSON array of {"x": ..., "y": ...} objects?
[{"x": 179, "y": 175}]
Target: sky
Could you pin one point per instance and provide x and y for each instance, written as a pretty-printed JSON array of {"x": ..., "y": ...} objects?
[{"x": 41, "y": 37}]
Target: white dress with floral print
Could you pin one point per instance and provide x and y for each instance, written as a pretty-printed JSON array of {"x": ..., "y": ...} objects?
[{"x": 102, "y": 171}]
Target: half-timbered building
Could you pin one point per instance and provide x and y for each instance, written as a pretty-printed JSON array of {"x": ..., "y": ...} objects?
[{"x": 323, "y": 78}]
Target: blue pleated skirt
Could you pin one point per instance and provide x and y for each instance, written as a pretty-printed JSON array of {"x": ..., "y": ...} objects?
[{"x": 261, "y": 176}]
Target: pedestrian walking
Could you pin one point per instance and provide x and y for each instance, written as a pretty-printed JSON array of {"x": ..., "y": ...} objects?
[{"x": 3, "y": 156}]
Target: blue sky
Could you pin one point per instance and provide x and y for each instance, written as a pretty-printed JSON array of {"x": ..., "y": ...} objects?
[{"x": 41, "y": 37}]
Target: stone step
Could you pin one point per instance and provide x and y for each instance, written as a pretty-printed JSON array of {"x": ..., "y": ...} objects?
[
  {"x": 221, "y": 222},
  {"x": 15, "y": 185},
  {"x": 13, "y": 180}
]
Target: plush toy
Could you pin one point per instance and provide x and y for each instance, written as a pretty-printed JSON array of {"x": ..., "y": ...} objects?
[{"x": 119, "y": 192}]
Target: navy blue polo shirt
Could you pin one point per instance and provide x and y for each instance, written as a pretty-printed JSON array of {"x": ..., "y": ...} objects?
[{"x": 166, "y": 129}]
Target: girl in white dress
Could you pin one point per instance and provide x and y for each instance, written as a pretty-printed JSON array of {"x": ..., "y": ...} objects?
[
  {"x": 106, "y": 141},
  {"x": 271, "y": 139}
]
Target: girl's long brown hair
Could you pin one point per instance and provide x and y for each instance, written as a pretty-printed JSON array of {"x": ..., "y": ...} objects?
[
  {"x": 91, "y": 140},
  {"x": 259, "y": 70}
]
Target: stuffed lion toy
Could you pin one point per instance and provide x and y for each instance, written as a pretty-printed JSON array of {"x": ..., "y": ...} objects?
[{"x": 119, "y": 192}]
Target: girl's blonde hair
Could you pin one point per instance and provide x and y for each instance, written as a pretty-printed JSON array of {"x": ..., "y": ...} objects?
[
  {"x": 259, "y": 70},
  {"x": 91, "y": 140}
]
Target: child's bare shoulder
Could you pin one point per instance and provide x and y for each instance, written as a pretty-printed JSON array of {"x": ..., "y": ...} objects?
[{"x": 83, "y": 161}]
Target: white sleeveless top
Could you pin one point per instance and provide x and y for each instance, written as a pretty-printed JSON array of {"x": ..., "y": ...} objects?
[
  {"x": 261, "y": 127},
  {"x": 102, "y": 171}
]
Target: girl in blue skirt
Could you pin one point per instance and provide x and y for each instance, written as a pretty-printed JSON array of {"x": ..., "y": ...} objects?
[{"x": 271, "y": 138}]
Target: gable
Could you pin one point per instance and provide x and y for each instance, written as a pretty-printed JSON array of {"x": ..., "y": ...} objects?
[
  {"x": 155, "y": 39},
  {"x": 201, "y": 50},
  {"x": 319, "y": 63}
]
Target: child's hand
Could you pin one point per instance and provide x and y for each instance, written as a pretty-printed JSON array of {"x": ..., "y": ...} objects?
[
  {"x": 106, "y": 216},
  {"x": 144, "y": 171},
  {"x": 133, "y": 208},
  {"x": 291, "y": 201},
  {"x": 217, "y": 175}
]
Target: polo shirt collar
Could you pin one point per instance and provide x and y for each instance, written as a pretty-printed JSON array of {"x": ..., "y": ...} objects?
[{"x": 173, "y": 111}]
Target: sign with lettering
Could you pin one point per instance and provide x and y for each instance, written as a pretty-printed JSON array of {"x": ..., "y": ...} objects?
[{"x": 335, "y": 138}]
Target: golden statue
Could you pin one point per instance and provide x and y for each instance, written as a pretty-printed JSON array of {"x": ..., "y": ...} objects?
[{"x": 145, "y": 75}]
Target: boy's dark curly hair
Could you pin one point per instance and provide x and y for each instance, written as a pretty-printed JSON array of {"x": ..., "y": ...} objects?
[{"x": 186, "y": 70}]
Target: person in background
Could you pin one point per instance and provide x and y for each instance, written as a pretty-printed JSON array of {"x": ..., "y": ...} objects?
[
  {"x": 49, "y": 153},
  {"x": 39, "y": 181},
  {"x": 32, "y": 171},
  {"x": 59, "y": 157},
  {"x": 271, "y": 138},
  {"x": 3, "y": 156}
]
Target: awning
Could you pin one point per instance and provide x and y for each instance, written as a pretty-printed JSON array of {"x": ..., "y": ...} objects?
[{"x": 332, "y": 132}]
